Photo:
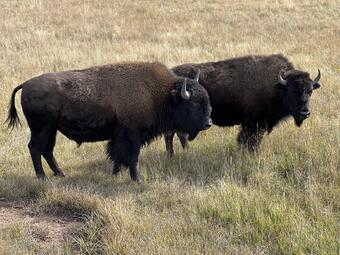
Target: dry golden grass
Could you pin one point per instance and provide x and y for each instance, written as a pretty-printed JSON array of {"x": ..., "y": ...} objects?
[{"x": 212, "y": 199}]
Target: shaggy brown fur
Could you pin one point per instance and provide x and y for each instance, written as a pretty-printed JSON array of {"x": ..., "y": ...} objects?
[
  {"x": 126, "y": 103},
  {"x": 245, "y": 91}
]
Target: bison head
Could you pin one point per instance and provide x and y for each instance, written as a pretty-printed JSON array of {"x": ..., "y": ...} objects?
[
  {"x": 298, "y": 88},
  {"x": 191, "y": 107}
]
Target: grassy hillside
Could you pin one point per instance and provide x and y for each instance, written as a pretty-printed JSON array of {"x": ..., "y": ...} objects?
[{"x": 212, "y": 199}]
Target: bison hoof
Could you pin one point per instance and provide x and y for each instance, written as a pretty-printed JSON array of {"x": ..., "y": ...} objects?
[
  {"x": 136, "y": 180},
  {"x": 60, "y": 174},
  {"x": 41, "y": 177}
]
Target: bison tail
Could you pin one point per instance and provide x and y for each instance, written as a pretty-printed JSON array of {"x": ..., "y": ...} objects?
[{"x": 13, "y": 119}]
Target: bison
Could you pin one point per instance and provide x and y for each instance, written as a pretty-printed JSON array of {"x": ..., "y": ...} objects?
[
  {"x": 128, "y": 104},
  {"x": 256, "y": 92}
]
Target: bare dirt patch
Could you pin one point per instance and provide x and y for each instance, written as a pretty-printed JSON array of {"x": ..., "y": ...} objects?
[{"x": 48, "y": 229}]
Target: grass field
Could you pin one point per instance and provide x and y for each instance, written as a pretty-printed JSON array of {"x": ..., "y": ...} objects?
[{"x": 212, "y": 199}]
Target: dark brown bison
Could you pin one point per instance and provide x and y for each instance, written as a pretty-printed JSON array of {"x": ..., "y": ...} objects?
[
  {"x": 128, "y": 104},
  {"x": 254, "y": 91}
]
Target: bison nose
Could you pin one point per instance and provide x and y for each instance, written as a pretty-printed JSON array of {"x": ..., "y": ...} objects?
[
  {"x": 304, "y": 114},
  {"x": 208, "y": 124}
]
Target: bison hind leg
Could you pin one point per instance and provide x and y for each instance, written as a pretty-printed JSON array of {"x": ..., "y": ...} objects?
[
  {"x": 42, "y": 143},
  {"x": 35, "y": 152},
  {"x": 48, "y": 154}
]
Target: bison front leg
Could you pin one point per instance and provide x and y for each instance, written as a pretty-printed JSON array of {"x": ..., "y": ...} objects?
[
  {"x": 124, "y": 150},
  {"x": 133, "y": 146},
  {"x": 116, "y": 168},
  {"x": 114, "y": 153},
  {"x": 168, "y": 137},
  {"x": 132, "y": 162},
  {"x": 183, "y": 138},
  {"x": 250, "y": 136}
]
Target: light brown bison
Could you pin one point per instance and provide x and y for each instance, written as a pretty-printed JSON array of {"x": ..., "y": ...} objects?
[
  {"x": 254, "y": 91},
  {"x": 128, "y": 104}
]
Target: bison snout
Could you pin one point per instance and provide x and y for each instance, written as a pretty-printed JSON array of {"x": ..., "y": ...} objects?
[
  {"x": 208, "y": 124},
  {"x": 304, "y": 114}
]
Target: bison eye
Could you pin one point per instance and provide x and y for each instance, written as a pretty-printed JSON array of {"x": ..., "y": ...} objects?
[{"x": 197, "y": 105}]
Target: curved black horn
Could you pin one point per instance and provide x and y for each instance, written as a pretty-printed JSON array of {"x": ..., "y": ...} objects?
[
  {"x": 281, "y": 80},
  {"x": 197, "y": 77},
  {"x": 184, "y": 93},
  {"x": 317, "y": 77}
]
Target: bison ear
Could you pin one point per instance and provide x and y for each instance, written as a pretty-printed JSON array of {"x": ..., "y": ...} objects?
[
  {"x": 175, "y": 96},
  {"x": 173, "y": 92},
  {"x": 316, "y": 85},
  {"x": 280, "y": 86}
]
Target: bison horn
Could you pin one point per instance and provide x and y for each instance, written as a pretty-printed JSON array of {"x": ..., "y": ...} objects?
[
  {"x": 317, "y": 77},
  {"x": 197, "y": 77},
  {"x": 184, "y": 93},
  {"x": 281, "y": 80}
]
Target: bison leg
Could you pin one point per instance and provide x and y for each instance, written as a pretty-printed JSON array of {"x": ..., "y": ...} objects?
[
  {"x": 250, "y": 136},
  {"x": 36, "y": 159},
  {"x": 35, "y": 146},
  {"x": 183, "y": 138},
  {"x": 124, "y": 150},
  {"x": 132, "y": 148},
  {"x": 48, "y": 154},
  {"x": 116, "y": 168},
  {"x": 132, "y": 164},
  {"x": 168, "y": 137},
  {"x": 41, "y": 144},
  {"x": 113, "y": 152}
]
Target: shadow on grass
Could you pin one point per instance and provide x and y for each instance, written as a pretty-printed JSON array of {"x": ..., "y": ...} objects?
[
  {"x": 201, "y": 165},
  {"x": 21, "y": 188}
]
